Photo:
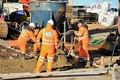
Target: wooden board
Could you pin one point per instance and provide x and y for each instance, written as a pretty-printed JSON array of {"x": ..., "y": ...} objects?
[{"x": 80, "y": 72}]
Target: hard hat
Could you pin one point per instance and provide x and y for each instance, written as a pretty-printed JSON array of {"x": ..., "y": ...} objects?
[
  {"x": 51, "y": 22},
  {"x": 32, "y": 25}
]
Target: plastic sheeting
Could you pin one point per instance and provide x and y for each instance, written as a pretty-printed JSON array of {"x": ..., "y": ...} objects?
[
  {"x": 98, "y": 7},
  {"x": 11, "y": 7},
  {"x": 107, "y": 18}
]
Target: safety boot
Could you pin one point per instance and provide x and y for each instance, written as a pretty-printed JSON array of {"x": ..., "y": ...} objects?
[
  {"x": 22, "y": 56},
  {"x": 34, "y": 54},
  {"x": 87, "y": 64}
]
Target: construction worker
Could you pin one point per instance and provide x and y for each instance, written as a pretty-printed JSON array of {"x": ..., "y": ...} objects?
[
  {"x": 49, "y": 45},
  {"x": 24, "y": 37},
  {"x": 83, "y": 38}
]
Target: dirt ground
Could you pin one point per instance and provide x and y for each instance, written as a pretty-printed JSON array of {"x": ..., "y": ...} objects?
[{"x": 10, "y": 62}]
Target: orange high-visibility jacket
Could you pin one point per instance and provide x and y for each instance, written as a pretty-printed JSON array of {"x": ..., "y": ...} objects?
[
  {"x": 84, "y": 41},
  {"x": 84, "y": 35},
  {"x": 25, "y": 36},
  {"x": 49, "y": 39}
]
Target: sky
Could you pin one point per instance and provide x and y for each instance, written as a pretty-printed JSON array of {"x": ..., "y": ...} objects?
[{"x": 88, "y": 2}]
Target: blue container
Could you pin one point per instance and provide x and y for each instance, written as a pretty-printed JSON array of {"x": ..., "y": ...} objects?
[{"x": 42, "y": 11}]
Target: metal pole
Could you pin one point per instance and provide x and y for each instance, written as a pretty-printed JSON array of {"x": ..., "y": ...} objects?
[
  {"x": 113, "y": 51},
  {"x": 64, "y": 31},
  {"x": 51, "y": 15}
]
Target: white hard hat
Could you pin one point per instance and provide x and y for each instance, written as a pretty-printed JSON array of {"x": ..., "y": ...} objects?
[
  {"x": 32, "y": 25},
  {"x": 51, "y": 22}
]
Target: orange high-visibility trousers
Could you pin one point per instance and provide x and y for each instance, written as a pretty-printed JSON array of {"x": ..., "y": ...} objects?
[
  {"x": 43, "y": 55},
  {"x": 20, "y": 44},
  {"x": 35, "y": 47},
  {"x": 83, "y": 52},
  {"x": 25, "y": 36}
]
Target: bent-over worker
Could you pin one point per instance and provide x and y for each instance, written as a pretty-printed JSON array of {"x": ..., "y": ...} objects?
[{"x": 25, "y": 36}]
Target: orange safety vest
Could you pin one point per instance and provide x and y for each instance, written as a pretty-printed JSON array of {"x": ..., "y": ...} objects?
[
  {"x": 25, "y": 36},
  {"x": 49, "y": 39},
  {"x": 84, "y": 41},
  {"x": 84, "y": 34}
]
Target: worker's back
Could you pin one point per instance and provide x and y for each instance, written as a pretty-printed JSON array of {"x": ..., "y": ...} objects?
[{"x": 49, "y": 38}]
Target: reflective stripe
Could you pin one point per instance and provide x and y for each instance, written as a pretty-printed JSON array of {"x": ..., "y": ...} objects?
[
  {"x": 38, "y": 44},
  {"x": 47, "y": 40},
  {"x": 41, "y": 58},
  {"x": 55, "y": 44},
  {"x": 83, "y": 37},
  {"x": 83, "y": 34},
  {"x": 47, "y": 43},
  {"x": 38, "y": 41},
  {"x": 50, "y": 60},
  {"x": 50, "y": 57},
  {"x": 25, "y": 36},
  {"x": 23, "y": 52}
]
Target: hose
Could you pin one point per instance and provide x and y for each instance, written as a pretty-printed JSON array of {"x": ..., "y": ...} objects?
[
  {"x": 63, "y": 37},
  {"x": 20, "y": 25},
  {"x": 96, "y": 42}
]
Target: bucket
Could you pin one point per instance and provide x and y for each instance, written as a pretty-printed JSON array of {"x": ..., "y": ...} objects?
[{"x": 42, "y": 11}]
